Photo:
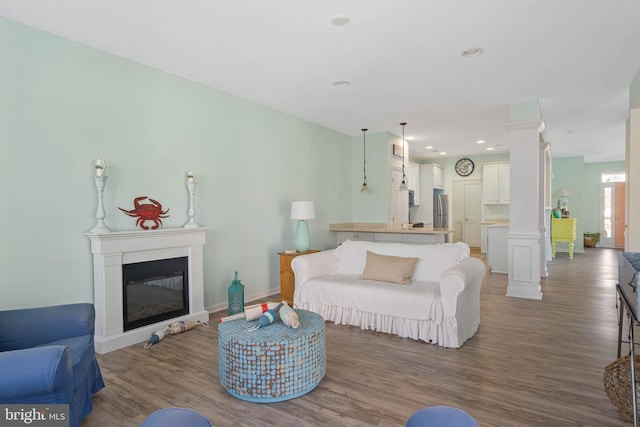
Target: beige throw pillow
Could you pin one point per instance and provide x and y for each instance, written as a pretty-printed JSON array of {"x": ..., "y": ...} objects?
[{"x": 387, "y": 268}]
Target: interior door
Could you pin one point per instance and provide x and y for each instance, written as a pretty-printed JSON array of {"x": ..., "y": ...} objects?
[
  {"x": 612, "y": 214},
  {"x": 619, "y": 216},
  {"x": 466, "y": 201},
  {"x": 457, "y": 209},
  {"x": 472, "y": 213}
]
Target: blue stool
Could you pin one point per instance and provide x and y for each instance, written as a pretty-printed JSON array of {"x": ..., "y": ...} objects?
[
  {"x": 441, "y": 416},
  {"x": 174, "y": 417}
]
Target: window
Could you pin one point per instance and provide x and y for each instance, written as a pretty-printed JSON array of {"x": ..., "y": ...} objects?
[{"x": 613, "y": 177}]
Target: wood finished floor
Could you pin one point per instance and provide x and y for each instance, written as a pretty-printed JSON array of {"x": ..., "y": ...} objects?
[{"x": 532, "y": 363}]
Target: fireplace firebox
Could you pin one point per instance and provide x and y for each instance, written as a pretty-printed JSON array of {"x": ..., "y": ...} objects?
[{"x": 154, "y": 291}]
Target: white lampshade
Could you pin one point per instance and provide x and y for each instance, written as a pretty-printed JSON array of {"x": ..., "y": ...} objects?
[
  {"x": 561, "y": 192},
  {"x": 302, "y": 210}
]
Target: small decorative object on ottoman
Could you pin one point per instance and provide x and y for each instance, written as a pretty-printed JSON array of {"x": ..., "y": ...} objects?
[{"x": 272, "y": 364}]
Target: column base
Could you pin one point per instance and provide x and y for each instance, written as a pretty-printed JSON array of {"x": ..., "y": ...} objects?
[{"x": 524, "y": 265}]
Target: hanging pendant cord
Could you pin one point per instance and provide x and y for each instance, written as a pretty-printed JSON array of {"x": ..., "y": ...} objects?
[
  {"x": 403, "y": 175},
  {"x": 364, "y": 149}
]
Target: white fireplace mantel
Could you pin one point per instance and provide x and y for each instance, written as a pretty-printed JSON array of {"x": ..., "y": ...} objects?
[{"x": 113, "y": 249}]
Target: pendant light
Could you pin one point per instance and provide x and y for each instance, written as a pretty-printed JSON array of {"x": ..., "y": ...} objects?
[
  {"x": 403, "y": 185},
  {"x": 365, "y": 187}
]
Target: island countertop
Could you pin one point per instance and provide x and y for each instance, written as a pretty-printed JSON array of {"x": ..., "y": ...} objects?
[{"x": 354, "y": 227}]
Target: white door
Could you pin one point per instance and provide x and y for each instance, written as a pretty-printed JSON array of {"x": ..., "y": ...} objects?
[
  {"x": 467, "y": 211},
  {"x": 611, "y": 215},
  {"x": 472, "y": 214},
  {"x": 399, "y": 200},
  {"x": 457, "y": 209}
]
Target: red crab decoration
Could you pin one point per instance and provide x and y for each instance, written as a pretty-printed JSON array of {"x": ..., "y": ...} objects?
[{"x": 147, "y": 212}]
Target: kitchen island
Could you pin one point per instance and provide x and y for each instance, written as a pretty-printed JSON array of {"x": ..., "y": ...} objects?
[{"x": 373, "y": 232}]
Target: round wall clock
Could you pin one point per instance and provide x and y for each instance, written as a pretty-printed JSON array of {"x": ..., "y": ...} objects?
[{"x": 464, "y": 167}]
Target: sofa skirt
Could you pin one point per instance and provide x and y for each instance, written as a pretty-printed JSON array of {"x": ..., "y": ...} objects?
[{"x": 444, "y": 333}]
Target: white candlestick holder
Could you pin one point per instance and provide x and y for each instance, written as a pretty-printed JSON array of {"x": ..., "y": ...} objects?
[
  {"x": 191, "y": 185},
  {"x": 100, "y": 227}
]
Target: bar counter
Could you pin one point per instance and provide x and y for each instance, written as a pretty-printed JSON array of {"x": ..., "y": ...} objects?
[{"x": 383, "y": 233}]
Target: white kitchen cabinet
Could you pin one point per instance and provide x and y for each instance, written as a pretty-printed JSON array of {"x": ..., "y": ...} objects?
[
  {"x": 387, "y": 237},
  {"x": 497, "y": 248},
  {"x": 483, "y": 239},
  {"x": 423, "y": 239},
  {"x": 417, "y": 238},
  {"x": 413, "y": 178},
  {"x": 354, "y": 235},
  {"x": 438, "y": 177},
  {"x": 495, "y": 183},
  {"x": 429, "y": 173}
]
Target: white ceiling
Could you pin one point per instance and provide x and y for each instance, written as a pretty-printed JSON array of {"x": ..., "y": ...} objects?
[{"x": 402, "y": 58}]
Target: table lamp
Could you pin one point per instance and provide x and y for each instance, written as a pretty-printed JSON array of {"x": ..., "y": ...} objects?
[
  {"x": 564, "y": 206},
  {"x": 302, "y": 211}
]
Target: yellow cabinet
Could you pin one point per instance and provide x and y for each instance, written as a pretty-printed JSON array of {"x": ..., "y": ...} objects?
[{"x": 563, "y": 230}]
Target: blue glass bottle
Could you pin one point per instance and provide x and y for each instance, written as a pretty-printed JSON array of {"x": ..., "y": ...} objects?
[{"x": 236, "y": 296}]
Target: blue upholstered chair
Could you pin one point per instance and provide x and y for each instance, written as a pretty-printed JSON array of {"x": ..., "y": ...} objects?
[
  {"x": 441, "y": 416},
  {"x": 47, "y": 356},
  {"x": 174, "y": 417}
]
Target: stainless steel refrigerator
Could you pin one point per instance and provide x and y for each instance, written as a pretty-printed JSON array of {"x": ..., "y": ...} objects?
[{"x": 440, "y": 211}]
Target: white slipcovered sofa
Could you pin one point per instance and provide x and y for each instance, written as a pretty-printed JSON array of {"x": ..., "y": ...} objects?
[{"x": 440, "y": 304}]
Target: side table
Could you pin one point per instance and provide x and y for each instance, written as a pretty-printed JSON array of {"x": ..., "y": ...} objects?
[
  {"x": 287, "y": 278},
  {"x": 563, "y": 230}
]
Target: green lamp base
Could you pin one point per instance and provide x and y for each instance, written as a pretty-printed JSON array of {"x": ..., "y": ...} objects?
[{"x": 302, "y": 240}]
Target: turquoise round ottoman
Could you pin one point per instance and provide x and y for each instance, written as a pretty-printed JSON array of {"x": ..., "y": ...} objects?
[
  {"x": 273, "y": 363},
  {"x": 173, "y": 417}
]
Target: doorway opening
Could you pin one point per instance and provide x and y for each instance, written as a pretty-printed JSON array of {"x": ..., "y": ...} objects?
[{"x": 612, "y": 208}]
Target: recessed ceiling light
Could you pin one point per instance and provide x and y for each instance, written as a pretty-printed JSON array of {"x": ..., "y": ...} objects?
[
  {"x": 428, "y": 147},
  {"x": 442, "y": 153},
  {"x": 340, "y": 20},
  {"x": 476, "y": 51},
  {"x": 490, "y": 148},
  {"x": 480, "y": 141},
  {"x": 411, "y": 138},
  {"x": 341, "y": 83}
]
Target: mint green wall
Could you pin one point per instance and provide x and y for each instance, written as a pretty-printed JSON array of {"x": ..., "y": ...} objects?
[
  {"x": 592, "y": 181},
  {"x": 62, "y": 105},
  {"x": 370, "y": 206},
  {"x": 568, "y": 172}
]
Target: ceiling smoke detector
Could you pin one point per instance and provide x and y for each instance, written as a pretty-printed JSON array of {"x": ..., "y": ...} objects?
[
  {"x": 340, "y": 20},
  {"x": 341, "y": 83},
  {"x": 475, "y": 51}
]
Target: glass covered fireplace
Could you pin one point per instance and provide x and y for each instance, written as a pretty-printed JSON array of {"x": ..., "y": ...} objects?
[{"x": 154, "y": 291}]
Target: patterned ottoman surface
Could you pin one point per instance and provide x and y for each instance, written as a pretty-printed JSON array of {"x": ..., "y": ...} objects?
[{"x": 273, "y": 363}]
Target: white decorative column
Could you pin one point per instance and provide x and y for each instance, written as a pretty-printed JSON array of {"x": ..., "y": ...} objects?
[
  {"x": 524, "y": 235},
  {"x": 632, "y": 151},
  {"x": 545, "y": 203}
]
